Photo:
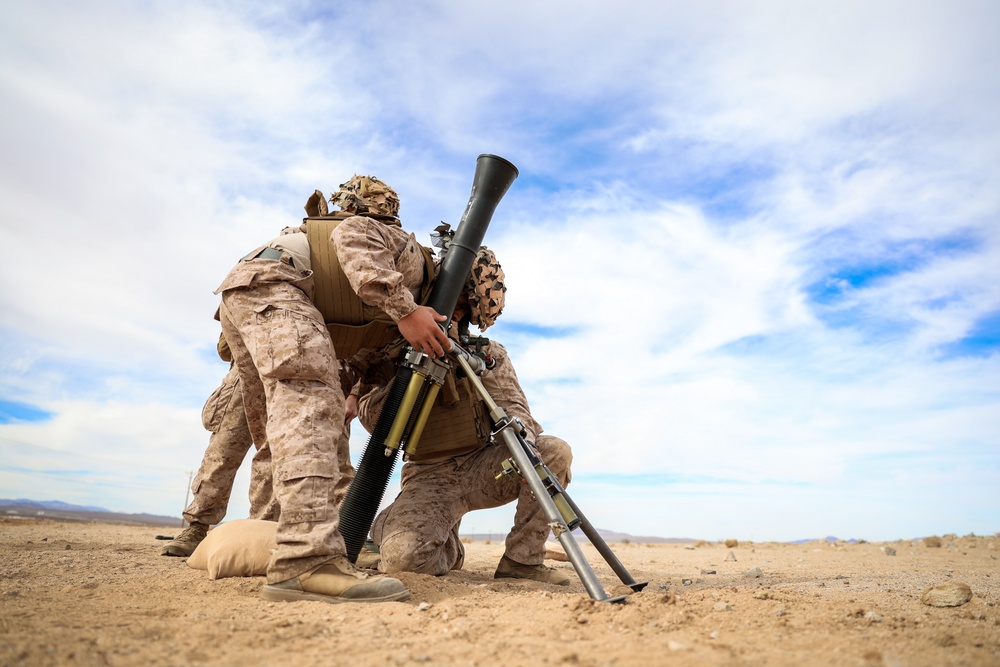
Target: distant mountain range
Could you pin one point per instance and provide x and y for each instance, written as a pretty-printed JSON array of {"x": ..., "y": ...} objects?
[
  {"x": 56, "y": 509},
  {"x": 49, "y": 505},
  {"x": 828, "y": 538},
  {"x": 613, "y": 536},
  {"x": 608, "y": 536}
]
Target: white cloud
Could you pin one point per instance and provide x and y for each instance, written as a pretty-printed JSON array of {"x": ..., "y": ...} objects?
[
  {"x": 124, "y": 456},
  {"x": 688, "y": 176}
]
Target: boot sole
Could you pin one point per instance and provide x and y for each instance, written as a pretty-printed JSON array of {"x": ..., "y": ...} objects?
[
  {"x": 277, "y": 594},
  {"x": 180, "y": 552}
]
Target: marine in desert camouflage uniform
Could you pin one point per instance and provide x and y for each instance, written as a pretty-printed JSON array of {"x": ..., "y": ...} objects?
[
  {"x": 418, "y": 532},
  {"x": 224, "y": 416},
  {"x": 291, "y": 384}
]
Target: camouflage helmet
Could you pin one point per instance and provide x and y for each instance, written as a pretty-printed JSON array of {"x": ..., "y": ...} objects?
[
  {"x": 485, "y": 288},
  {"x": 366, "y": 194}
]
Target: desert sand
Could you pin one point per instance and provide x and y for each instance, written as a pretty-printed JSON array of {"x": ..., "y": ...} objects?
[{"x": 101, "y": 594}]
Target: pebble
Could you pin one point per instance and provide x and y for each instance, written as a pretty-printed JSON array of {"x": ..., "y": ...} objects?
[
  {"x": 755, "y": 572},
  {"x": 722, "y": 606},
  {"x": 731, "y": 557},
  {"x": 889, "y": 551},
  {"x": 423, "y": 606},
  {"x": 948, "y": 594}
]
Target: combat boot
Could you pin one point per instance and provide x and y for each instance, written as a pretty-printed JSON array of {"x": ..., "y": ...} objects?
[
  {"x": 337, "y": 580},
  {"x": 369, "y": 557},
  {"x": 185, "y": 543},
  {"x": 510, "y": 569}
]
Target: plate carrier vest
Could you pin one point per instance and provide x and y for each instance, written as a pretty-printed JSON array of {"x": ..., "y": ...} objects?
[
  {"x": 458, "y": 422},
  {"x": 352, "y": 323}
]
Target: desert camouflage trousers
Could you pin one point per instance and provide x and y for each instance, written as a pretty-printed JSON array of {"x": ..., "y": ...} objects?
[
  {"x": 228, "y": 445},
  {"x": 294, "y": 404},
  {"x": 418, "y": 532}
]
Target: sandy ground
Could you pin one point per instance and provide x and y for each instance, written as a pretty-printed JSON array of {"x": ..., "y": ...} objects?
[{"x": 100, "y": 594}]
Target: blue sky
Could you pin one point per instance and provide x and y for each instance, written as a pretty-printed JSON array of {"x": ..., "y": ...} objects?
[{"x": 753, "y": 253}]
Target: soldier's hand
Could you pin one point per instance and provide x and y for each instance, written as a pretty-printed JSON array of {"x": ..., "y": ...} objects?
[{"x": 421, "y": 330}]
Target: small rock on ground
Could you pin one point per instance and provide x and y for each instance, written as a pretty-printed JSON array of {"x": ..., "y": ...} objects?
[{"x": 948, "y": 594}]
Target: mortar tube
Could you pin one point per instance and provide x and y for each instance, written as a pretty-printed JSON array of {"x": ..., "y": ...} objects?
[{"x": 493, "y": 177}]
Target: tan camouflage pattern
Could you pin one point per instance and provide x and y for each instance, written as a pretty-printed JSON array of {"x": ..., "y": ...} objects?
[
  {"x": 418, "y": 531},
  {"x": 211, "y": 499},
  {"x": 291, "y": 381},
  {"x": 294, "y": 402},
  {"x": 366, "y": 194},
  {"x": 375, "y": 368},
  {"x": 377, "y": 372},
  {"x": 223, "y": 416},
  {"x": 222, "y": 347},
  {"x": 228, "y": 445},
  {"x": 486, "y": 289},
  {"x": 383, "y": 263},
  {"x": 502, "y": 385},
  {"x": 263, "y": 502},
  {"x": 458, "y": 422}
]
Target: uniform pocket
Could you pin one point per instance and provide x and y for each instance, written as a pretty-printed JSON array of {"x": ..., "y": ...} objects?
[
  {"x": 217, "y": 404},
  {"x": 309, "y": 480},
  {"x": 293, "y": 346}
]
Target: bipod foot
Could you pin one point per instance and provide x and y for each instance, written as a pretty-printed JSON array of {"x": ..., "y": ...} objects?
[{"x": 616, "y": 600}]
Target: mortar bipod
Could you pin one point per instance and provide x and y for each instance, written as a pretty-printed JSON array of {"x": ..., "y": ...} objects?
[{"x": 549, "y": 493}]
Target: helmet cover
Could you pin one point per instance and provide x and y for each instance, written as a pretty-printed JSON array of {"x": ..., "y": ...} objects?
[
  {"x": 485, "y": 288},
  {"x": 366, "y": 194}
]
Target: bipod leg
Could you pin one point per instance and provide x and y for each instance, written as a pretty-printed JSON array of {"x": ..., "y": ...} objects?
[
  {"x": 516, "y": 446},
  {"x": 510, "y": 432},
  {"x": 584, "y": 571},
  {"x": 602, "y": 547}
]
